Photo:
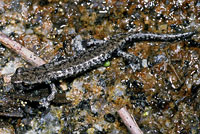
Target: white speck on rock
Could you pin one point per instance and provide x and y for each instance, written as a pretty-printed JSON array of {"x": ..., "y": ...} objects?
[
  {"x": 144, "y": 63},
  {"x": 98, "y": 127}
]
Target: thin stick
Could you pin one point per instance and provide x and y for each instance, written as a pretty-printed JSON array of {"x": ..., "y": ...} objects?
[
  {"x": 174, "y": 70},
  {"x": 129, "y": 122},
  {"x": 172, "y": 67},
  {"x": 26, "y": 54}
]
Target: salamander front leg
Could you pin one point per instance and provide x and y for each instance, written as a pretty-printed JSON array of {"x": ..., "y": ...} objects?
[
  {"x": 53, "y": 92},
  {"x": 135, "y": 62},
  {"x": 45, "y": 102}
]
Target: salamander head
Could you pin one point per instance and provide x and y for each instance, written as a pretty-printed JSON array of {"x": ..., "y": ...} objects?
[{"x": 21, "y": 79}]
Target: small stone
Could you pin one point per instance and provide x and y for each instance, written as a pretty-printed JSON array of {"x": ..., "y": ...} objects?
[
  {"x": 163, "y": 27},
  {"x": 146, "y": 113},
  {"x": 43, "y": 2},
  {"x": 109, "y": 118},
  {"x": 90, "y": 131},
  {"x": 106, "y": 64},
  {"x": 144, "y": 63}
]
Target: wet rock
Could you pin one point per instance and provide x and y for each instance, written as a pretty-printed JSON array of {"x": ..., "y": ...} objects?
[{"x": 109, "y": 118}]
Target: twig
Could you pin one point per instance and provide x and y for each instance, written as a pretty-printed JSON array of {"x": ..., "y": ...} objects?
[
  {"x": 172, "y": 67},
  {"x": 129, "y": 122},
  {"x": 26, "y": 54},
  {"x": 174, "y": 70}
]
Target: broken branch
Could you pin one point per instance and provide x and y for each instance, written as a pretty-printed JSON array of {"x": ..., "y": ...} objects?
[
  {"x": 26, "y": 54},
  {"x": 129, "y": 121}
]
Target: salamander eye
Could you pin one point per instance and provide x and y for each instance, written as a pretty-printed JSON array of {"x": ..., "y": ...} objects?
[{"x": 19, "y": 70}]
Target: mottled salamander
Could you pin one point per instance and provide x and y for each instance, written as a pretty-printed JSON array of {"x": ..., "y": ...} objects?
[{"x": 28, "y": 78}]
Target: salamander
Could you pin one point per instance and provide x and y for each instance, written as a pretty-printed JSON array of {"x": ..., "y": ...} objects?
[{"x": 28, "y": 78}]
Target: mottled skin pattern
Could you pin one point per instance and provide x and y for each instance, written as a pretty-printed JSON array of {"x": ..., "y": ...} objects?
[{"x": 28, "y": 78}]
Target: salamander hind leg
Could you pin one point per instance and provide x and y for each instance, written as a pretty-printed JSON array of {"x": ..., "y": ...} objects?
[{"x": 135, "y": 62}]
